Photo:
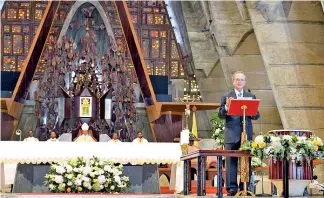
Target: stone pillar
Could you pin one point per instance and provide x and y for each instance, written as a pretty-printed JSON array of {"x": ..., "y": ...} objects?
[
  {"x": 290, "y": 37},
  {"x": 2, "y": 177}
]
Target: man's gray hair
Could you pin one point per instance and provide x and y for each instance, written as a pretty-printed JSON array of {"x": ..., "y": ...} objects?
[{"x": 238, "y": 72}]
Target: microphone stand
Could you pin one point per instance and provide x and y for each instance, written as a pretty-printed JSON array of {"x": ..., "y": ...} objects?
[{"x": 262, "y": 173}]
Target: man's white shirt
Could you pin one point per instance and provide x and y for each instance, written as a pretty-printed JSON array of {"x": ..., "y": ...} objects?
[
  {"x": 140, "y": 140},
  {"x": 237, "y": 96},
  {"x": 31, "y": 139}
]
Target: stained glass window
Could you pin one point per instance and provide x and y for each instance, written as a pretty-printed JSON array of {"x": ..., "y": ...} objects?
[
  {"x": 134, "y": 17},
  {"x": 158, "y": 19},
  {"x": 9, "y": 63},
  {"x": 154, "y": 33},
  {"x": 18, "y": 32},
  {"x": 163, "y": 49},
  {"x": 16, "y": 28},
  {"x": 7, "y": 44},
  {"x": 174, "y": 69},
  {"x": 149, "y": 18},
  {"x": 163, "y": 34},
  {"x": 21, "y": 14},
  {"x": 27, "y": 14},
  {"x": 174, "y": 50},
  {"x": 12, "y": 13},
  {"x": 20, "y": 62},
  {"x": 159, "y": 68},
  {"x": 145, "y": 33},
  {"x": 149, "y": 67},
  {"x": 26, "y": 29},
  {"x": 17, "y": 44},
  {"x": 26, "y": 44},
  {"x": 182, "y": 74},
  {"x": 6, "y": 28},
  {"x": 38, "y": 14},
  {"x": 155, "y": 48},
  {"x": 146, "y": 47}
]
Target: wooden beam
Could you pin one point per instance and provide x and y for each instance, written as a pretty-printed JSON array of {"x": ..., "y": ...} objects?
[
  {"x": 136, "y": 53},
  {"x": 13, "y": 106},
  {"x": 29, "y": 67}
]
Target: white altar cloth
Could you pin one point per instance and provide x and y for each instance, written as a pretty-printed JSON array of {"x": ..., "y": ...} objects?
[
  {"x": 47, "y": 152},
  {"x": 14, "y": 152}
]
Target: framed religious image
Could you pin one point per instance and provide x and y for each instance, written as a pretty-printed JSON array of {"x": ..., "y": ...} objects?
[{"x": 85, "y": 107}]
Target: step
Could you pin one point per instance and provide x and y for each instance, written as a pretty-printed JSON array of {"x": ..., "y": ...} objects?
[{"x": 209, "y": 190}]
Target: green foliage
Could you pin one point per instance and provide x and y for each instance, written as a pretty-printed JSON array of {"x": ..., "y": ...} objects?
[{"x": 218, "y": 129}]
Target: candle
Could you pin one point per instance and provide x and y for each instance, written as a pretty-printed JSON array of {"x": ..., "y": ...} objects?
[{"x": 184, "y": 137}]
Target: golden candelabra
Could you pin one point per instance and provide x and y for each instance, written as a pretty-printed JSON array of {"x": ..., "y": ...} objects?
[{"x": 244, "y": 161}]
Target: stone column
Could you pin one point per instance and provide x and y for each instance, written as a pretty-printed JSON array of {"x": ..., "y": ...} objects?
[
  {"x": 291, "y": 41},
  {"x": 2, "y": 177}
]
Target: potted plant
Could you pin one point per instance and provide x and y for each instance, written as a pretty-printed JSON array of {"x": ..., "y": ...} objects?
[{"x": 218, "y": 130}]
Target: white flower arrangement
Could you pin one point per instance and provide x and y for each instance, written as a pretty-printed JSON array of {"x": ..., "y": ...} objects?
[
  {"x": 257, "y": 162},
  {"x": 291, "y": 146},
  {"x": 218, "y": 129},
  {"x": 86, "y": 175}
]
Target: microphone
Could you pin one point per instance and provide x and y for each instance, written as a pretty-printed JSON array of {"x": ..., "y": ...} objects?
[{"x": 249, "y": 90}]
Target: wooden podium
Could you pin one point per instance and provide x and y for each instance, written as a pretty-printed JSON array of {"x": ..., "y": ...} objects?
[{"x": 243, "y": 107}]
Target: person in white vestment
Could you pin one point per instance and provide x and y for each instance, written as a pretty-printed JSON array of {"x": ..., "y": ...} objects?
[
  {"x": 140, "y": 138},
  {"x": 114, "y": 139},
  {"x": 31, "y": 137},
  {"x": 53, "y": 137},
  {"x": 85, "y": 135}
]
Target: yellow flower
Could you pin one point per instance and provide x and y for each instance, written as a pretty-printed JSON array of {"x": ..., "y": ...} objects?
[
  {"x": 79, "y": 188},
  {"x": 315, "y": 148},
  {"x": 262, "y": 144},
  {"x": 68, "y": 190},
  {"x": 106, "y": 185},
  {"x": 254, "y": 144}
]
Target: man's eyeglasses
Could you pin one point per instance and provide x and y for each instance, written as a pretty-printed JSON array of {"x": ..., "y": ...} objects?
[{"x": 239, "y": 80}]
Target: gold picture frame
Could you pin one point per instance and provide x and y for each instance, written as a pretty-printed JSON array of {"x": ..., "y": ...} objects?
[{"x": 85, "y": 107}]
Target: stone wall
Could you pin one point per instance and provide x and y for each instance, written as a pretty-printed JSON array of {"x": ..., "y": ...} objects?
[
  {"x": 224, "y": 32},
  {"x": 291, "y": 40}
]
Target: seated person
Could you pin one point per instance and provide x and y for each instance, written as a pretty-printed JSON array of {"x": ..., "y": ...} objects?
[
  {"x": 30, "y": 137},
  {"x": 52, "y": 137},
  {"x": 114, "y": 139},
  {"x": 140, "y": 138},
  {"x": 85, "y": 135}
]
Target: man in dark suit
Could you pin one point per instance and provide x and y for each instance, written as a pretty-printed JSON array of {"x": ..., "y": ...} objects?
[{"x": 234, "y": 128}]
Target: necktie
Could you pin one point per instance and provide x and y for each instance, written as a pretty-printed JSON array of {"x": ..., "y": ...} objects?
[{"x": 240, "y": 94}]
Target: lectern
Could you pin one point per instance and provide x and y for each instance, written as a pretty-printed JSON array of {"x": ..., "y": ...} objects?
[{"x": 243, "y": 107}]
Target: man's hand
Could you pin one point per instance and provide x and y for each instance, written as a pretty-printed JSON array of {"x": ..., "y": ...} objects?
[{"x": 228, "y": 99}]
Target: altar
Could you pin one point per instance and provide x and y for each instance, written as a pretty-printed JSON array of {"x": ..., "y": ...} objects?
[{"x": 140, "y": 161}]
